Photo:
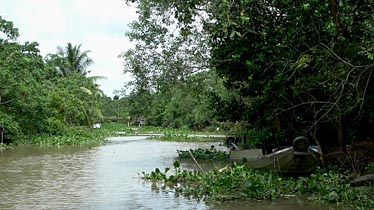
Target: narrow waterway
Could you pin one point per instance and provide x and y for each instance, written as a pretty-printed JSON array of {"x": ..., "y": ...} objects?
[{"x": 104, "y": 177}]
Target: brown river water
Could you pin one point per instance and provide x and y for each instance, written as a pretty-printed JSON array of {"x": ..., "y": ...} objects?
[{"x": 106, "y": 176}]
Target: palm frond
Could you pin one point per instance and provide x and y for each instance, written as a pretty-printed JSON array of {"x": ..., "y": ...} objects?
[{"x": 85, "y": 90}]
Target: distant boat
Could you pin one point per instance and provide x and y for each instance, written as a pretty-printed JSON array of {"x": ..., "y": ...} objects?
[{"x": 299, "y": 159}]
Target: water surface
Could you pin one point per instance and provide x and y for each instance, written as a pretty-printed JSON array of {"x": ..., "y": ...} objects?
[{"x": 105, "y": 177}]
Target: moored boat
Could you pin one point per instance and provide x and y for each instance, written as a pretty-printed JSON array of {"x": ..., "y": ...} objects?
[{"x": 298, "y": 159}]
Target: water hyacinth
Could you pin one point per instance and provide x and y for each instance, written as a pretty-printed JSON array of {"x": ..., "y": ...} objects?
[
  {"x": 241, "y": 183},
  {"x": 204, "y": 154}
]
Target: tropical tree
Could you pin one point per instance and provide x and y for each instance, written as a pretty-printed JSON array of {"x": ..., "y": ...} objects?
[
  {"x": 164, "y": 54},
  {"x": 23, "y": 101},
  {"x": 70, "y": 59},
  {"x": 115, "y": 108},
  {"x": 81, "y": 93},
  {"x": 292, "y": 68},
  {"x": 43, "y": 96},
  {"x": 93, "y": 93},
  {"x": 298, "y": 66}
]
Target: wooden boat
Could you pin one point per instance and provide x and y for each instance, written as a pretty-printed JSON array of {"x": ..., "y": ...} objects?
[{"x": 299, "y": 159}]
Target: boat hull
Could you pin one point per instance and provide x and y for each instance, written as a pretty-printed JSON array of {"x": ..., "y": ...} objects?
[{"x": 286, "y": 161}]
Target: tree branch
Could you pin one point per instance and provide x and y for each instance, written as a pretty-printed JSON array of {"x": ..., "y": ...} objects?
[
  {"x": 342, "y": 60},
  {"x": 2, "y": 103}
]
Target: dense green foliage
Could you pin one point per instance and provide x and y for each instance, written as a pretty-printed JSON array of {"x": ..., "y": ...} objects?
[
  {"x": 77, "y": 135},
  {"x": 288, "y": 68},
  {"x": 43, "y": 96},
  {"x": 240, "y": 182}
]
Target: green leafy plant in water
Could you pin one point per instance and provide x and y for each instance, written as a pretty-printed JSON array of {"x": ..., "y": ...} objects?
[
  {"x": 76, "y": 135},
  {"x": 240, "y": 182},
  {"x": 156, "y": 175},
  {"x": 329, "y": 186},
  {"x": 204, "y": 154},
  {"x": 219, "y": 185},
  {"x": 179, "y": 176},
  {"x": 174, "y": 135}
]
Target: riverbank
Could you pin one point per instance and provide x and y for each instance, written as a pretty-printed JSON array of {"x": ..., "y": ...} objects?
[{"x": 79, "y": 135}]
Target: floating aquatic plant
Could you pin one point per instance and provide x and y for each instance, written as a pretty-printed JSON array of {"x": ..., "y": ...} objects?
[
  {"x": 204, "y": 154},
  {"x": 240, "y": 182}
]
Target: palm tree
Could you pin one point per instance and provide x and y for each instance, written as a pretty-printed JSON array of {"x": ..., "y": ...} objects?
[
  {"x": 92, "y": 106},
  {"x": 75, "y": 60}
]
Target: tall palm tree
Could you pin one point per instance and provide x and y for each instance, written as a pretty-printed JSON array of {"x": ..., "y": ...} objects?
[
  {"x": 76, "y": 60},
  {"x": 92, "y": 105}
]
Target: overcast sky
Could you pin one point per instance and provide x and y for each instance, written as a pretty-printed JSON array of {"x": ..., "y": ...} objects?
[{"x": 96, "y": 24}]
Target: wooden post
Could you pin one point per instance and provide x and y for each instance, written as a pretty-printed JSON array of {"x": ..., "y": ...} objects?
[
  {"x": 244, "y": 141},
  {"x": 313, "y": 135},
  {"x": 2, "y": 134},
  {"x": 198, "y": 165}
]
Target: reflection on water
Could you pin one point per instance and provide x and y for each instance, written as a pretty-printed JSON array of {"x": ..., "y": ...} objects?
[{"x": 102, "y": 177}]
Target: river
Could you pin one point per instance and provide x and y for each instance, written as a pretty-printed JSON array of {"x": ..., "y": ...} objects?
[{"x": 106, "y": 176}]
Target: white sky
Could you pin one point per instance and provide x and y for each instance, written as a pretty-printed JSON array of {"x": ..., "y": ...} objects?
[{"x": 96, "y": 24}]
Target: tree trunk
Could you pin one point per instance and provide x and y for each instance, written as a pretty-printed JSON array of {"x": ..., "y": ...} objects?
[
  {"x": 277, "y": 124},
  {"x": 341, "y": 143},
  {"x": 334, "y": 12}
]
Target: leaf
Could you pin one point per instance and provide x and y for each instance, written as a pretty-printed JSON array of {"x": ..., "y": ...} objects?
[
  {"x": 233, "y": 33},
  {"x": 176, "y": 164},
  {"x": 333, "y": 196}
]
